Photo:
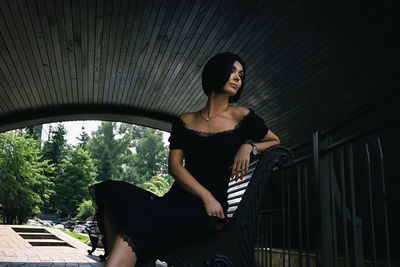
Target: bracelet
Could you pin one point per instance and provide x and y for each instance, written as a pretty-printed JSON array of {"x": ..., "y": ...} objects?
[{"x": 254, "y": 150}]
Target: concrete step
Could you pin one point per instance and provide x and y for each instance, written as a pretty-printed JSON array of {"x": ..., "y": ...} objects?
[
  {"x": 29, "y": 230},
  {"x": 38, "y": 236},
  {"x": 48, "y": 243}
]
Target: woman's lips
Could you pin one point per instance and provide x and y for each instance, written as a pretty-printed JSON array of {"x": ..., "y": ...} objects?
[{"x": 234, "y": 85}]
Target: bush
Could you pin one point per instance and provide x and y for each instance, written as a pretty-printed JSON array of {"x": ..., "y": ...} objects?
[
  {"x": 85, "y": 210},
  {"x": 158, "y": 185}
]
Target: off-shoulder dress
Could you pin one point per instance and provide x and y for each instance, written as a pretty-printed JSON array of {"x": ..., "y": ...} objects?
[{"x": 148, "y": 222}]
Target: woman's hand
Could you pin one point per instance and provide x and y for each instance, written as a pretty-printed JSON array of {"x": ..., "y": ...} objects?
[
  {"x": 241, "y": 161},
  {"x": 213, "y": 207}
]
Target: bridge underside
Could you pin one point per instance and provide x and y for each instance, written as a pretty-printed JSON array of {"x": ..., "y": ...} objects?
[{"x": 310, "y": 66}]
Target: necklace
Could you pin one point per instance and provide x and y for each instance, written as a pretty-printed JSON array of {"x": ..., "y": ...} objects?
[{"x": 208, "y": 114}]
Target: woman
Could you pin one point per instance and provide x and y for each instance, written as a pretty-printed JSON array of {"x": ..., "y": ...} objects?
[{"x": 213, "y": 141}]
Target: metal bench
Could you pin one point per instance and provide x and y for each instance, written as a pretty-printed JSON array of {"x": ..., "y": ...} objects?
[
  {"x": 95, "y": 235},
  {"x": 234, "y": 245}
]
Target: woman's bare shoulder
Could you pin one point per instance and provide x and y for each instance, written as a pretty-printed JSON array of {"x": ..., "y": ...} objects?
[
  {"x": 239, "y": 112},
  {"x": 188, "y": 116}
]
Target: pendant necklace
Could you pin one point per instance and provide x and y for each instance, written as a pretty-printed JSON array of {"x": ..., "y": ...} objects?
[{"x": 208, "y": 114}]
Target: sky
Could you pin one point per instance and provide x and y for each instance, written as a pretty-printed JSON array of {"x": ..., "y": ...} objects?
[{"x": 74, "y": 129}]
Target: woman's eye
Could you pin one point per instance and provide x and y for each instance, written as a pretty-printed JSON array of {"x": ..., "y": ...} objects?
[{"x": 240, "y": 74}]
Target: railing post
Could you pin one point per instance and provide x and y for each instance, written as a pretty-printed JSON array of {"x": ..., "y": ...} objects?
[{"x": 323, "y": 197}]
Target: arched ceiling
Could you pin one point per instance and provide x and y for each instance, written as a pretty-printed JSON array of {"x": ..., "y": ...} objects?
[{"x": 309, "y": 66}]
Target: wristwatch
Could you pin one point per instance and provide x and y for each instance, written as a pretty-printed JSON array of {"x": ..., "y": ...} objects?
[{"x": 254, "y": 150}]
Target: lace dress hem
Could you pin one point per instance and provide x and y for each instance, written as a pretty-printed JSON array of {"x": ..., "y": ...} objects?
[{"x": 101, "y": 214}]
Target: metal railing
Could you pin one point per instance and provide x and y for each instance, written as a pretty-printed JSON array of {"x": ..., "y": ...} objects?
[{"x": 331, "y": 208}]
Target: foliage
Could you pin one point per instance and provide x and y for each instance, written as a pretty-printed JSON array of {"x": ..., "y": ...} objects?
[
  {"x": 158, "y": 185},
  {"x": 109, "y": 152},
  {"x": 35, "y": 132},
  {"x": 149, "y": 160},
  {"x": 131, "y": 175},
  {"x": 85, "y": 210},
  {"x": 55, "y": 149},
  {"x": 23, "y": 185},
  {"x": 83, "y": 139},
  {"x": 57, "y": 179},
  {"x": 71, "y": 185}
]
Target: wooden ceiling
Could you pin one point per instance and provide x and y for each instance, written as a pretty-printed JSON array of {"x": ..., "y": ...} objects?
[{"x": 309, "y": 66}]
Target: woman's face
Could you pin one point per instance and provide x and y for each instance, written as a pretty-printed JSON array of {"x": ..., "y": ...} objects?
[{"x": 235, "y": 81}]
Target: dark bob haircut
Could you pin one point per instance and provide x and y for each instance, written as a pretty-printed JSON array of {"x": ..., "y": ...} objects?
[{"x": 217, "y": 71}]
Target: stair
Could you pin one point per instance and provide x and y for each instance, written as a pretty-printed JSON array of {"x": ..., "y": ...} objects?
[
  {"x": 47, "y": 242},
  {"x": 29, "y": 230},
  {"x": 39, "y": 237}
]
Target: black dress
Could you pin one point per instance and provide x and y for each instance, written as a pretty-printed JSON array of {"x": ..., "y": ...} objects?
[{"x": 148, "y": 222}]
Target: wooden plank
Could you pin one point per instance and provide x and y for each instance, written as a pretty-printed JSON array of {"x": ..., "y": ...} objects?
[
  {"x": 185, "y": 68},
  {"x": 132, "y": 54},
  {"x": 64, "y": 45},
  {"x": 256, "y": 33},
  {"x": 6, "y": 103},
  {"x": 113, "y": 29},
  {"x": 104, "y": 51},
  {"x": 13, "y": 70},
  {"x": 243, "y": 23},
  {"x": 77, "y": 44},
  {"x": 250, "y": 34},
  {"x": 19, "y": 36},
  {"x": 117, "y": 58},
  {"x": 98, "y": 52},
  {"x": 55, "y": 29},
  {"x": 210, "y": 43},
  {"x": 40, "y": 50},
  {"x": 162, "y": 18},
  {"x": 43, "y": 36},
  {"x": 176, "y": 65},
  {"x": 85, "y": 57},
  {"x": 143, "y": 43},
  {"x": 69, "y": 56},
  {"x": 9, "y": 89},
  {"x": 175, "y": 15},
  {"x": 214, "y": 42},
  {"x": 126, "y": 53},
  {"x": 92, "y": 21},
  {"x": 274, "y": 68},
  {"x": 318, "y": 80},
  {"x": 33, "y": 54}
]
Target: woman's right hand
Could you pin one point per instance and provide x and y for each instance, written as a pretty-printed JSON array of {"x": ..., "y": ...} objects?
[{"x": 213, "y": 207}]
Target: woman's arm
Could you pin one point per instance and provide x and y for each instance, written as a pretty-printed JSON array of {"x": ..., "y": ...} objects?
[
  {"x": 270, "y": 139},
  {"x": 242, "y": 157},
  {"x": 183, "y": 177}
]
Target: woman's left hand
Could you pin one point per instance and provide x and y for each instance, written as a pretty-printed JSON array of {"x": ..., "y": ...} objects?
[{"x": 241, "y": 161}]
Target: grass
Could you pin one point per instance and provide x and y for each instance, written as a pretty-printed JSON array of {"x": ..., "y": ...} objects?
[{"x": 80, "y": 237}]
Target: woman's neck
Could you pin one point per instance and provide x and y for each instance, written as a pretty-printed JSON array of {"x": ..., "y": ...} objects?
[{"x": 216, "y": 104}]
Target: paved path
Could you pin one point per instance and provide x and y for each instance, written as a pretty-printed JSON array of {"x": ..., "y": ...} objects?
[{"x": 16, "y": 251}]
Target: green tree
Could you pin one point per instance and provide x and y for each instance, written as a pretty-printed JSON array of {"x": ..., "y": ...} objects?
[
  {"x": 137, "y": 131},
  {"x": 77, "y": 173},
  {"x": 83, "y": 139},
  {"x": 35, "y": 132},
  {"x": 86, "y": 209},
  {"x": 110, "y": 147},
  {"x": 55, "y": 149},
  {"x": 23, "y": 185},
  {"x": 158, "y": 185},
  {"x": 149, "y": 160}
]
